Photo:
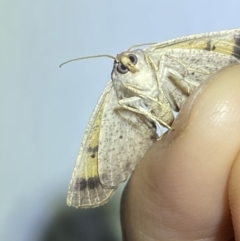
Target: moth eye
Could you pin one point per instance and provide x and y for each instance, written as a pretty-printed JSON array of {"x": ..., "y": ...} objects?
[
  {"x": 133, "y": 58},
  {"x": 122, "y": 69}
]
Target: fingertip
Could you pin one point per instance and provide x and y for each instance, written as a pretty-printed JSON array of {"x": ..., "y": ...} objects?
[
  {"x": 212, "y": 105},
  {"x": 234, "y": 196}
]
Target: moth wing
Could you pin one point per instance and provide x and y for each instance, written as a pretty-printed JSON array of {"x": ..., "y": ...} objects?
[
  {"x": 194, "y": 66},
  {"x": 227, "y": 42},
  {"x": 125, "y": 137},
  {"x": 85, "y": 189}
]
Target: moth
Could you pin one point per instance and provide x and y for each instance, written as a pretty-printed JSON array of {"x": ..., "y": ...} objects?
[{"x": 146, "y": 86}]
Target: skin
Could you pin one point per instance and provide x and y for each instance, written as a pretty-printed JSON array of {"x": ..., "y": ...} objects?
[{"x": 187, "y": 186}]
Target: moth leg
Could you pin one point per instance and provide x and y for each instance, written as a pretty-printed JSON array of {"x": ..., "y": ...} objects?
[
  {"x": 173, "y": 74},
  {"x": 160, "y": 108},
  {"x": 179, "y": 80},
  {"x": 126, "y": 104},
  {"x": 139, "y": 93},
  {"x": 175, "y": 85},
  {"x": 155, "y": 68}
]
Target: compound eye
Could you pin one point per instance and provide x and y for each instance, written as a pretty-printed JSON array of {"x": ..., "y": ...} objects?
[
  {"x": 133, "y": 58},
  {"x": 122, "y": 69}
]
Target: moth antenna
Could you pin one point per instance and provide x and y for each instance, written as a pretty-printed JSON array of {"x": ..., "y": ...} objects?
[
  {"x": 140, "y": 45},
  {"x": 88, "y": 57}
]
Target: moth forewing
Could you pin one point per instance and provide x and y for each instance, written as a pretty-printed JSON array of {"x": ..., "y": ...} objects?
[
  {"x": 85, "y": 189},
  {"x": 183, "y": 70},
  {"x": 226, "y": 42},
  {"x": 124, "y": 139}
]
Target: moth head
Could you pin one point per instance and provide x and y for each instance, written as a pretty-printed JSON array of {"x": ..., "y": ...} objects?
[
  {"x": 134, "y": 76},
  {"x": 132, "y": 67},
  {"x": 128, "y": 63}
]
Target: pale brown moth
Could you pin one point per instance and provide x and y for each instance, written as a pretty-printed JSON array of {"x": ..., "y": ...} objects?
[{"x": 146, "y": 86}]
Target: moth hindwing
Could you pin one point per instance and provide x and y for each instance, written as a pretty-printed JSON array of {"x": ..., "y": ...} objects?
[{"x": 146, "y": 87}]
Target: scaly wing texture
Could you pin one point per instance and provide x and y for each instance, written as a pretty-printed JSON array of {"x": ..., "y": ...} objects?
[
  {"x": 194, "y": 57},
  {"x": 85, "y": 189},
  {"x": 125, "y": 137},
  {"x": 194, "y": 66},
  {"x": 226, "y": 42}
]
